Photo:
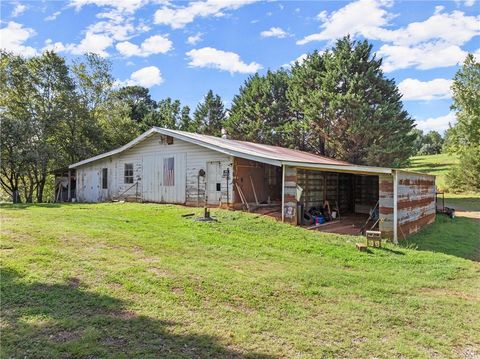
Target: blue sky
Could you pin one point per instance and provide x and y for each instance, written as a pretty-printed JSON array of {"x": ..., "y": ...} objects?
[{"x": 183, "y": 49}]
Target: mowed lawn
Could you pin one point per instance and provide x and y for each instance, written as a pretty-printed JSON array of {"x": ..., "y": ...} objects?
[
  {"x": 437, "y": 165},
  {"x": 139, "y": 280}
]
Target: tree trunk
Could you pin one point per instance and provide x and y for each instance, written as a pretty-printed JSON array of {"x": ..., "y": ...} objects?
[
  {"x": 16, "y": 196},
  {"x": 40, "y": 188}
]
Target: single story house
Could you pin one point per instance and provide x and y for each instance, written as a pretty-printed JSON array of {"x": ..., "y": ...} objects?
[{"x": 169, "y": 166}]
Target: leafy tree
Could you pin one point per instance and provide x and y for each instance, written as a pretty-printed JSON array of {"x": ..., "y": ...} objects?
[
  {"x": 417, "y": 134},
  {"x": 210, "y": 115},
  {"x": 351, "y": 111},
  {"x": 432, "y": 144},
  {"x": 466, "y": 177},
  {"x": 15, "y": 102},
  {"x": 261, "y": 111},
  {"x": 466, "y": 103},
  {"x": 186, "y": 123},
  {"x": 138, "y": 100},
  {"x": 464, "y": 137},
  {"x": 167, "y": 114}
]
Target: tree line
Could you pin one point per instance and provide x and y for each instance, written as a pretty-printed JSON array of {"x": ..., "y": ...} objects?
[{"x": 336, "y": 103}]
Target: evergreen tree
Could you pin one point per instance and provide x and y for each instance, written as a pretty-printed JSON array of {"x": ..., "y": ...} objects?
[
  {"x": 186, "y": 123},
  {"x": 260, "y": 112},
  {"x": 138, "y": 100},
  {"x": 351, "y": 111},
  {"x": 210, "y": 115}
]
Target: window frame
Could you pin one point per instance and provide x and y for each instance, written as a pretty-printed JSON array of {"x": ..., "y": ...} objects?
[
  {"x": 128, "y": 173},
  {"x": 104, "y": 178}
]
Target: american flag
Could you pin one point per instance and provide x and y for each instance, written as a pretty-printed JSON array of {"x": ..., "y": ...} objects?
[{"x": 169, "y": 172}]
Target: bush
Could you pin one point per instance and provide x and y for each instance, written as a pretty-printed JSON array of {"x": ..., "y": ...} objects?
[{"x": 466, "y": 176}]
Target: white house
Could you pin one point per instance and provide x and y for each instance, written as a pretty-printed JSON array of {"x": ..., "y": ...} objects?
[{"x": 169, "y": 166}]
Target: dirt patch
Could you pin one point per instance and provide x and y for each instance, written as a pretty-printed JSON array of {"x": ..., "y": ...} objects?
[
  {"x": 469, "y": 352},
  {"x": 450, "y": 293},
  {"x": 65, "y": 336},
  {"x": 468, "y": 214}
]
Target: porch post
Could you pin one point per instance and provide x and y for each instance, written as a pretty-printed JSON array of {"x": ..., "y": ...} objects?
[
  {"x": 69, "y": 186},
  {"x": 283, "y": 193},
  {"x": 395, "y": 207}
]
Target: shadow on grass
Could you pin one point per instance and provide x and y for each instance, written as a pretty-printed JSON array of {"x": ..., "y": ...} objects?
[
  {"x": 11, "y": 206},
  {"x": 62, "y": 320},
  {"x": 458, "y": 237}
]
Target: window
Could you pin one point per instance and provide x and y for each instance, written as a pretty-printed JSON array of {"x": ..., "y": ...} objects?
[
  {"x": 168, "y": 171},
  {"x": 169, "y": 140},
  {"x": 128, "y": 173},
  {"x": 104, "y": 178}
]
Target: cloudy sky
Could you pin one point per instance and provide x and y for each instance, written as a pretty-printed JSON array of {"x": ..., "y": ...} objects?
[{"x": 183, "y": 49}]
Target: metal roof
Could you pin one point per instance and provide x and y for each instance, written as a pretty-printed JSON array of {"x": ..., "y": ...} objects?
[{"x": 274, "y": 155}]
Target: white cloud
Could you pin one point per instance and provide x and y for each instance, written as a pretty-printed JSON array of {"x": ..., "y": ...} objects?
[
  {"x": 178, "y": 17},
  {"x": 439, "y": 124},
  {"x": 156, "y": 44},
  {"x": 222, "y": 60},
  {"x": 118, "y": 30},
  {"x": 362, "y": 17},
  {"x": 194, "y": 39},
  {"x": 18, "y": 10},
  {"x": 274, "y": 32},
  {"x": 467, "y": 3},
  {"x": 434, "y": 42},
  {"x": 53, "y": 16},
  {"x": 129, "y": 6},
  {"x": 53, "y": 46},
  {"x": 413, "y": 89},
  {"x": 96, "y": 43},
  {"x": 146, "y": 77},
  {"x": 424, "y": 56},
  {"x": 13, "y": 37}
]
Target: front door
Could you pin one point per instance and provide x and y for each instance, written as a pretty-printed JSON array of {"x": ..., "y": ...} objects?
[{"x": 214, "y": 182}]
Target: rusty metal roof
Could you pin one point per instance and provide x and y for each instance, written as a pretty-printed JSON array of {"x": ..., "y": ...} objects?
[
  {"x": 273, "y": 155},
  {"x": 260, "y": 150}
]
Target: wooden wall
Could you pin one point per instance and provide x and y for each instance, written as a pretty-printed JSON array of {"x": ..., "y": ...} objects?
[
  {"x": 416, "y": 202},
  {"x": 196, "y": 158},
  {"x": 289, "y": 195}
]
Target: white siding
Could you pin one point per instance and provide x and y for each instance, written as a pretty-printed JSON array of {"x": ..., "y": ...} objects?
[{"x": 189, "y": 160}]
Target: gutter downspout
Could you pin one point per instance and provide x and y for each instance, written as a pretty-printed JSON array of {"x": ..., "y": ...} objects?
[
  {"x": 283, "y": 193},
  {"x": 395, "y": 206}
]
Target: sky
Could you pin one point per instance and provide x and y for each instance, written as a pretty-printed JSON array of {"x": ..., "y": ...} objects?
[{"x": 183, "y": 49}]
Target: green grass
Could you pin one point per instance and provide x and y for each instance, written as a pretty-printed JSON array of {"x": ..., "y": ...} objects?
[
  {"x": 139, "y": 280},
  {"x": 437, "y": 165}
]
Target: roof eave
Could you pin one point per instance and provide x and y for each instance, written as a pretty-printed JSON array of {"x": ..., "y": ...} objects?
[{"x": 340, "y": 168}]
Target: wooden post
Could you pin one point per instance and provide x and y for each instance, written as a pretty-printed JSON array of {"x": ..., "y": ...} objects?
[
  {"x": 395, "y": 207},
  {"x": 69, "y": 186},
  {"x": 283, "y": 193}
]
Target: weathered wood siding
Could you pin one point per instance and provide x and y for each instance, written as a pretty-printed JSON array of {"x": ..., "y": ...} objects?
[
  {"x": 195, "y": 159},
  {"x": 290, "y": 195},
  {"x": 416, "y": 202},
  {"x": 385, "y": 204}
]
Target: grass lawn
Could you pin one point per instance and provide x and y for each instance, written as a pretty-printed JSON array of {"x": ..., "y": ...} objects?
[{"x": 139, "y": 280}]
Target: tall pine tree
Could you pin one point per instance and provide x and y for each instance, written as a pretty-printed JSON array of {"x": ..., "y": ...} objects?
[
  {"x": 260, "y": 112},
  {"x": 352, "y": 111},
  {"x": 210, "y": 115}
]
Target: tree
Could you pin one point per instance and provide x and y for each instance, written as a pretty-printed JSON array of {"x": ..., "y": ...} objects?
[
  {"x": 139, "y": 101},
  {"x": 210, "y": 115},
  {"x": 261, "y": 111},
  {"x": 15, "y": 100},
  {"x": 466, "y": 103},
  {"x": 351, "y": 111},
  {"x": 464, "y": 137},
  {"x": 186, "y": 123},
  {"x": 432, "y": 144}
]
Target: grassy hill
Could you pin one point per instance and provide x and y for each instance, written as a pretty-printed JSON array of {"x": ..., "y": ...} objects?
[
  {"x": 437, "y": 165},
  {"x": 140, "y": 280}
]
